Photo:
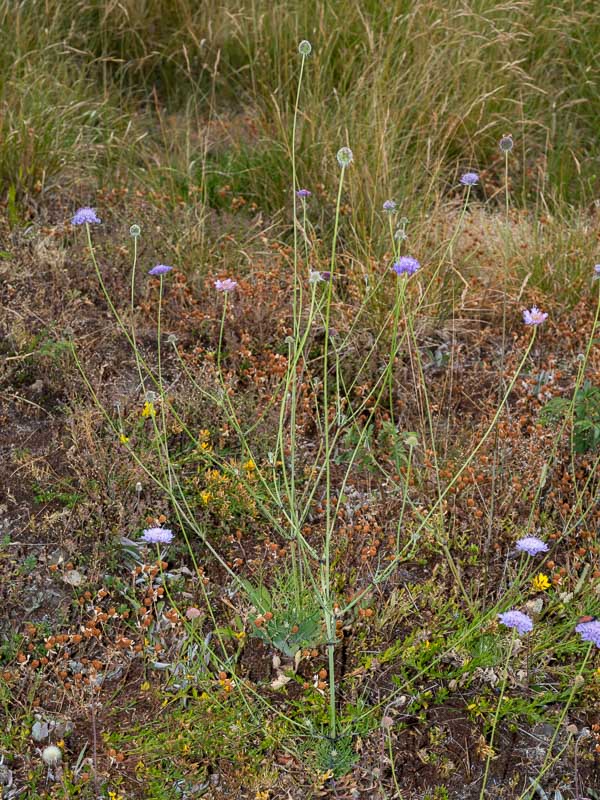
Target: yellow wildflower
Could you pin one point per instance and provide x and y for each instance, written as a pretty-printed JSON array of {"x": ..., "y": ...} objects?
[
  {"x": 123, "y": 439},
  {"x": 541, "y": 583},
  {"x": 249, "y": 466},
  {"x": 148, "y": 410},
  {"x": 206, "y": 497}
]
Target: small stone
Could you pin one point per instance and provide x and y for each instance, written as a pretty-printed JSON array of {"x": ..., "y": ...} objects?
[{"x": 39, "y": 731}]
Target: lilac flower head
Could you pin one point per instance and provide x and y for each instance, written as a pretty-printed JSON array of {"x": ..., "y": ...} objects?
[
  {"x": 532, "y": 545},
  {"x": 534, "y": 316},
  {"x": 303, "y": 193},
  {"x": 506, "y": 143},
  {"x": 159, "y": 269},
  {"x": 406, "y": 265},
  {"x": 226, "y": 285},
  {"x": 589, "y": 631},
  {"x": 389, "y": 206},
  {"x": 85, "y": 216},
  {"x": 597, "y": 270},
  {"x": 469, "y": 179},
  {"x": 516, "y": 619},
  {"x": 157, "y": 536}
]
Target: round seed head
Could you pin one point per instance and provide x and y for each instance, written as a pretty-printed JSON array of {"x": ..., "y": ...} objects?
[
  {"x": 51, "y": 755},
  {"x": 506, "y": 143},
  {"x": 345, "y": 156},
  {"x": 135, "y": 231},
  {"x": 305, "y": 48}
]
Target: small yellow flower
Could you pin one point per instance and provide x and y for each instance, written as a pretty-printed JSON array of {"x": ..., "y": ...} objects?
[
  {"x": 123, "y": 439},
  {"x": 206, "y": 497},
  {"x": 249, "y": 466},
  {"x": 541, "y": 583},
  {"x": 145, "y": 686},
  {"x": 148, "y": 410}
]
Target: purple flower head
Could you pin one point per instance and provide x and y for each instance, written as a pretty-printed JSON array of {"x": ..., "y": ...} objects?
[
  {"x": 589, "y": 631},
  {"x": 532, "y": 545},
  {"x": 516, "y": 619},
  {"x": 597, "y": 270},
  {"x": 406, "y": 265},
  {"x": 226, "y": 285},
  {"x": 389, "y": 206},
  {"x": 159, "y": 269},
  {"x": 303, "y": 193},
  {"x": 469, "y": 179},
  {"x": 157, "y": 536},
  {"x": 534, "y": 316},
  {"x": 85, "y": 216}
]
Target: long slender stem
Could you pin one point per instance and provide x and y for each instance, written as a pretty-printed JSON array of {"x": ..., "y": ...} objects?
[
  {"x": 490, "y": 754},
  {"x": 548, "y": 760},
  {"x": 326, "y": 561}
]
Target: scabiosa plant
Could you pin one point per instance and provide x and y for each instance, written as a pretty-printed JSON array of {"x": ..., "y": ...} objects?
[
  {"x": 469, "y": 179},
  {"x": 85, "y": 216},
  {"x": 389, "y": 206},
  {"x": 531, "y": 545},
  {"x": 135, "y": 231},
  {"x": 159, "y": 269},
  {"x": 345, "y": 156},
  {"x": 406, "y": 265},
  {"x": 157, "y": 536},
  {"x": 303, "y": 193},
  {"x": 517, "y": 620},
  {"x": 506, "y": 143},
  {"x": 305, "y": 48},
  {"x": 534, "y": 316},
  {"x": 589, "y": 631},
  {"x": 227, "y": 285},
  {"x": 597, "y": 270}
]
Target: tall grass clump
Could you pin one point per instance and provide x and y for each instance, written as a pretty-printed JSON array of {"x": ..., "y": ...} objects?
[{"x": 420, "y": 90}]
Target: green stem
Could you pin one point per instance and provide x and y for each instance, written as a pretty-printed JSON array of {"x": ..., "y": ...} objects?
[
  {"x": 548, "y": 760},
  {"x": 497, "y": 716}
]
